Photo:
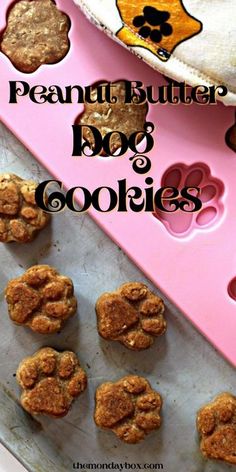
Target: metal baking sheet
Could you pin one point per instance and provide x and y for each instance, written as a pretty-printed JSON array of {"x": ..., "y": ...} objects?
[{"x": 182, "y": 366}]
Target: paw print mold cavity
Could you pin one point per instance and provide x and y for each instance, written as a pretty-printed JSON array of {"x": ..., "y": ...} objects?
[
  {"x": 36, "y": 34},
  {"x": 216, "y": 424},
  {"x": 179, "y": 223},
  {"x": 132, "y": 315},
  {"x": 50, "y": 381},
  {"x": 158, "y": 26},
  {"x": 130, "y": 408}
]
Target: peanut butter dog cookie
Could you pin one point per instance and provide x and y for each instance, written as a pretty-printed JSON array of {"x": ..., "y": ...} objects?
[
  {"x": 36, "y": 33},
  {"x": 20, "y": 218},
  {"x": 216, "y": 424},
  {"x": 50, "y": 381},
  {"x": 41, "y": 299},
  {"x": 129, "y": 407},
  {"x": 127, "y": 118},
  {"x": 132, "y": 315}
]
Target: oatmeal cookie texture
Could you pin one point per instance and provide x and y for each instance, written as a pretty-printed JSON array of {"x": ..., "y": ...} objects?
[
  {"x": 20, "y": 217},
  {"x": 216, "y": 424},
  {"x": 50, "y": 381},
  {"x": 36, "y": 33},
  {"x": 127, "y": 118},
  {"x": 41, "y": 298},
  {"x": 132, "y": 315},
  {"x": 130, "y": 408}
]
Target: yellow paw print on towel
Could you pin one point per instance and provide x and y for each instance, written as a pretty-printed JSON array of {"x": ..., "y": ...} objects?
[{"x": 157, "y": 25}]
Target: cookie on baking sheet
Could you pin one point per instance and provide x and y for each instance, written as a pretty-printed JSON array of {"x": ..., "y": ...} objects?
[
  {"x": 132, "y": 315},
  {"x": 130, "y": 408},
  {"x": 36, "y": 34},
  {"x": 216, "y": 424},
  {"x": 50, "y": 381},
  {"x": 41, "y": 299},
  {"x": 127, "y": 118},
  {"x": 20, "y": 218}
]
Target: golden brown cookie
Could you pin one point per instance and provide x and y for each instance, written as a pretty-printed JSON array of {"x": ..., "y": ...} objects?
[
  {"x": 36, "y": 33},
  {"x": 41, "y": 298},
  {"x": 216, "y": 424},
  {"x": 127, "y": 118},
  {"x": 130, "y": 408},
  {"x": 50, "y": 381},
  {"x": 132, "y": 315},
  {"x": 20, "y": 217}
]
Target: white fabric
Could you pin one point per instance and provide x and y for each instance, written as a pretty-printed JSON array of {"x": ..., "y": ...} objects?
[{"x": 207, "y": 58}]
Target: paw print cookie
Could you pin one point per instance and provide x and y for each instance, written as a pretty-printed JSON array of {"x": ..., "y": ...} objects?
[
  {"x": 127, "y": 118},
  {"x": 20, "y": 217},
  {"x": 36, "y": 34},
  {"x": 41, "y": 299},
  {"x": 50, "y": 381},
  {"x": 216, "y": 424},
  {"x": 132, "y": 315},
  {"x": 130, "y": 408}
]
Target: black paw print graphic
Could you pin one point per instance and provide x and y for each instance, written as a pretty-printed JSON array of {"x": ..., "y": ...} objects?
[{"x": 153, "y": 24}]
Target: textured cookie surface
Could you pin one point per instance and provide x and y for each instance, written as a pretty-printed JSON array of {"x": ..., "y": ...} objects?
[
  {"x": 36, "y": 33},
  {"x": 132, "y": 315},
  {"x": 216, "y": 424},
  {"x": 41, "y": 299},
  {"x": 127, "y": 118},
  {"x": 130, "y": 408},
  {"x": 50, "y": 381},
  {"x": 20, "y": 217}
]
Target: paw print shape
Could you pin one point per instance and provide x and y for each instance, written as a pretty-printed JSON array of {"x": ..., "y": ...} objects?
[
  {"x": 179, "y": 223},
  {"x": 216, "y": 424},
  {"x": 50, "y": 381},
  {"x": 130, "y": 408},
  {"x": 132, "y": 315},
  {"x": 36, "y": 34},
  {"x": 126, "y": 118},
  {"x": 41, "y": 299},
  {"x": 159, "y": 31},
  {"x": 20, "y": 217},
  {"x": 153, "y": 24}
]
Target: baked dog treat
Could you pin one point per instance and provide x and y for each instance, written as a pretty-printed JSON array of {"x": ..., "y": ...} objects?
[
  {"x": 36, "y": 33},
  {"x": 132, "y": 315},
  {"x": 129, "y": 407},
  {"x": 50, "y": 381},
  {"x": 20, "y": 218},
  {"x": 216, "y": 424},
  {"x": 41, "y": 298},
  {"x": 127, "y": 118}
]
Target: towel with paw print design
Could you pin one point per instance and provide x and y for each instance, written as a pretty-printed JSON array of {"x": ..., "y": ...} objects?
[{"x": 188, "y": 40}]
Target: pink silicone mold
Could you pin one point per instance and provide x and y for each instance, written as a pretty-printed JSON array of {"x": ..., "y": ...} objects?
[
  {"x": 191, "y": 261},
  {"x": 180, "y": 224}
]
